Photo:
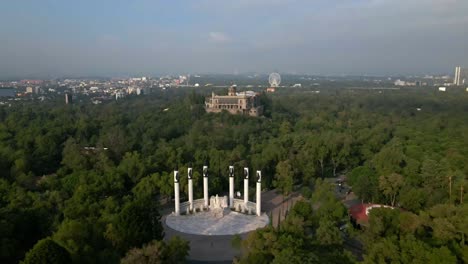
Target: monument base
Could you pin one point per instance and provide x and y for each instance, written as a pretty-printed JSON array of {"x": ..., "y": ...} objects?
[{"x": 204, "y": 223}]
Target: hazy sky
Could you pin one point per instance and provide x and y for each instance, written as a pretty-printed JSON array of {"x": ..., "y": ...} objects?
[{"x": 53, "y": 38}]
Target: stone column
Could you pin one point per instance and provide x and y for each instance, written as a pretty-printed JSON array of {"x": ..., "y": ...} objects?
[
  {"x": 231, "y": 186},
  {"x": 259, "y": 192},
  {"x": 246, "y": 185},
  {"x": 190, "y": 188},
  {"x": 176, "y": 192},
  {"x": 205, "y": 185}
]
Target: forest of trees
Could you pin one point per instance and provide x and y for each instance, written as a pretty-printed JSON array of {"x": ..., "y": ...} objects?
[
  {"x": 87, "y": 182},
  {"x": 309, "y": 234}
]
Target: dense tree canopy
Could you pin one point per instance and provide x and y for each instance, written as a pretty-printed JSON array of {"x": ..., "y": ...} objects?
[
  {"x": 76, "y": 173},
  {"x": 307, "y": 235},
  {"x": 174, "y": 251},
  {"x": 46, "y": 251}
]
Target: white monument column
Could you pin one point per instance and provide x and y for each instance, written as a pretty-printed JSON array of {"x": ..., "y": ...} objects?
[
  {"x": 259, "y": 192},
  {"x": 190, "y": 188},
  {"x": 231, "y": 186},
  {"x": 246, "y": 185},
  {"x": 176, "y": 192},
  {"x": 205, "y": 185}
]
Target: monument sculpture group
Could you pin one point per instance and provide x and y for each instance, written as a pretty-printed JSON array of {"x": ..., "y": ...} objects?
[{"x": 217, "y": 205}]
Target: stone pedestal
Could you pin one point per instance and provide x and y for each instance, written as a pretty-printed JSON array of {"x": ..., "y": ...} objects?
[
  {"x": 205, "y": 185},
  {"x": 176, "y": 193},
  {"x": 259, "y": 193},
  {"x": 231, "y": 192},
  {"x": 246, "y": 185},
  {"x": 190, "y": 188},
  {"x": 231, "y": 186}
]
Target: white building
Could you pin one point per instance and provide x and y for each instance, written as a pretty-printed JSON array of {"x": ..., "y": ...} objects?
[
  {"x": 119, "y": 95},
  {"x": 458, "y": 76},
  {"x": 399, "y": 83}
]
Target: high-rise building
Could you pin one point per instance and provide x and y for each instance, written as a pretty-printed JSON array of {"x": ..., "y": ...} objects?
[
  {"x": 457, "y": 80},
  {"x": 68, "y": 98}
]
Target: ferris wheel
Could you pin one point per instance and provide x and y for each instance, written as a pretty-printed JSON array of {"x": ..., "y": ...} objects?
[{"x": 274, "y": 79}]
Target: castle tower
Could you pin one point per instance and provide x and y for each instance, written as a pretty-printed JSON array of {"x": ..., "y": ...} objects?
[{"x": 232, "y": 91}]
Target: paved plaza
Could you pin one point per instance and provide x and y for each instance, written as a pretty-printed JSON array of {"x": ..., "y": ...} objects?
[
  {"x": 204, "y": 223},
  {"x": 218, "y": 248}
]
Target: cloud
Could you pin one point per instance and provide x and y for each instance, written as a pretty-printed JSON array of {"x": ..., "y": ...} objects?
[
  {"x": 219, "y": 37},
  {"x": 310, "y": 36}
]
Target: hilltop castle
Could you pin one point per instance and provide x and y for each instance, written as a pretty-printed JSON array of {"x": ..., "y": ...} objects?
[{"x": 235, "y": 103}]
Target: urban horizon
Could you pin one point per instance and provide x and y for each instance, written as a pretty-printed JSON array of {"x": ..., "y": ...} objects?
[{"x": 234, "y": 73}]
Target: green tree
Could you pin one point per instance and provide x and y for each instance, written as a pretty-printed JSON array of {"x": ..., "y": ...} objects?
[
  {"x": 364, "y": 182},
  {"x": 137, "y": 224},
  {"x": 133, "y": 166},
  {"x": 284, "y": 179},
  {"x": 383, "y": 222},
  {"x": 328, "y": 233},
  {"x": 175, "y": 251},
  {"x": 47, "y": 251},
  {"x": 73, "y": 157},
  {"x": 85, "y": 241},
  {"x": 390, "y": 186},
  {"x": 383, "y": 251},
  {"x": 340, "y": 150},
  {"x": 390, "y": 159},
  {"x": 322, "y": 152}
]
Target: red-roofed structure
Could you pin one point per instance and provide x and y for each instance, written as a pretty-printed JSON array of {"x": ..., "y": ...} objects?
[{"x": 360, "y": 213}]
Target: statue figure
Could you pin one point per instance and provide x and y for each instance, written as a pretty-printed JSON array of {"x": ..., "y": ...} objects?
[{"x": 218, "y": 206}]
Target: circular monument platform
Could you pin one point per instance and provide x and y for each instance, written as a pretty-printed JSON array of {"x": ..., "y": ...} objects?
[{"x": 203, "y": 223}]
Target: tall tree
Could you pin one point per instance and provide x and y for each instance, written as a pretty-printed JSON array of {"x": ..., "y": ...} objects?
[
  {"x": 284, "y": 178},
  {"x": 47, "y": 251},
  {"x": 175, "y": 251},
  {"x": 390, "y": 186}
]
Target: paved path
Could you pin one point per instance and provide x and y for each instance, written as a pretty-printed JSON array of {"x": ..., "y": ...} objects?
[
  {"x": 277, "y": 206},
  {"x": 206, "y": 249},
  {"x": 204, "y": 223}
]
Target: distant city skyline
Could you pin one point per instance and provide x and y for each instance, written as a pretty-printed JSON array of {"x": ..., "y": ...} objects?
[{"x": 53, "y": 39}]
